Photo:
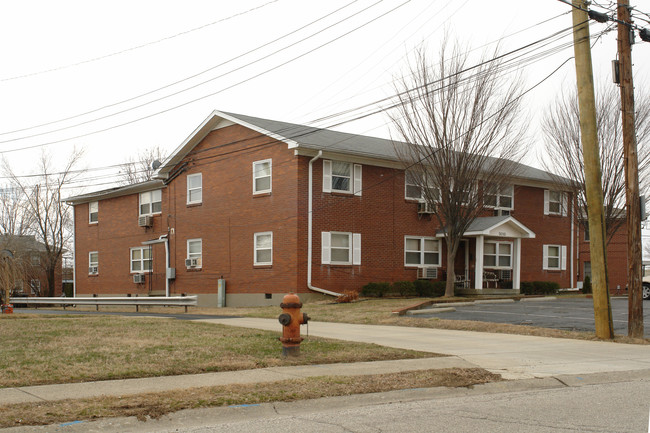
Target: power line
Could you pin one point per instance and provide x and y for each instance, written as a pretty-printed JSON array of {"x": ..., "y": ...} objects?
[{"x": 94, "y": 59}]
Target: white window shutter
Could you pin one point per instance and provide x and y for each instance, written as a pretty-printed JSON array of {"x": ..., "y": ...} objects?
[
  {"x": 327, "y": 175},
  {"x": 545, "y": 202},
  {"x": 545, "y": 258},
  {"x": 564, "y": 203},
  {"x": 563, "y": 258},
  {"x": 356, "y": 248},
  {"x": 357, "y": 179},
  {"x": 326, "y": 238}
]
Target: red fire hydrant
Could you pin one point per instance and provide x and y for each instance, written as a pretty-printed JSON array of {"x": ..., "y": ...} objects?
[{"x": 291, "y": 319}]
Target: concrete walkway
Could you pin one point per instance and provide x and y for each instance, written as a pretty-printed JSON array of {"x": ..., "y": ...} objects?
[{"x": 512, "y": 356}]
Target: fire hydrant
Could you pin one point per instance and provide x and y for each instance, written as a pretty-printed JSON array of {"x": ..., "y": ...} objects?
[{"x": 291, "y": 319}]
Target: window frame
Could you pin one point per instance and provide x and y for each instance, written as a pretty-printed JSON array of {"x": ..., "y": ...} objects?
[
  {"x": 95, "y": 212},
  {"x": 194, "y": 189},
  {"x": 256, "y": 249},
  {"x": 142, "y": 260},
  {"x": 256, "y": 170},
  {"x": 35, "y": 289},
  {"x": 498, "y": 195},
  {"x": 562, "y": 257},
  {"x": 92, "y": 263},
  {"x": 355, "y": 177},
  {"x": 190, "y": 255},
  {"x": 562, "y": 203},
  {"x": 353, "y": 248},
  {"x": 497, "y": 255},
  {"x": 151, "y": 202},
  {"x": 422, "y": 197},
  {"x": 422, "y": 252}
]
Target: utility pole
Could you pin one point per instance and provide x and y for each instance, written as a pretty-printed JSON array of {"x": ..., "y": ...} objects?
[
  {"x": 593, "y": 182},
  {"x": 633, "y": 204}
]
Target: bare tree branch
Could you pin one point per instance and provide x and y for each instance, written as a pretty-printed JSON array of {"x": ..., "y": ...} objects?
[
  {"x": 141, "y": 170},
  {"x": 460, "y": 126}
]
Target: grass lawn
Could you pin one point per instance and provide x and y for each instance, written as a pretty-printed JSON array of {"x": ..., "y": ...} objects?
[{"x": 62, "y": 349}]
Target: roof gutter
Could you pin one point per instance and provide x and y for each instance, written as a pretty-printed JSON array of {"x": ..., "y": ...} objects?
[{"x": 309, "y": 228}]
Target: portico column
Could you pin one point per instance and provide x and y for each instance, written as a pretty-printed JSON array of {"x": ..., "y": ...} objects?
[
  {"x": 516, "y": 265},
  {"x": 478, "y": 266}
]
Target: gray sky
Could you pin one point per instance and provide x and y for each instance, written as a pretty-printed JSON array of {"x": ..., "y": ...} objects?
[{"x": 67, "y": 58}]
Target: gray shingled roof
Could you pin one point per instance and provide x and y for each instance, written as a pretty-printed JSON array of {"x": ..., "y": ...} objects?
[{"x": 360, "y": 145}]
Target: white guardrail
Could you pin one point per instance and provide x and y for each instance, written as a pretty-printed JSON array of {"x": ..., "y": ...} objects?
[{"x": 181, "y": 301}]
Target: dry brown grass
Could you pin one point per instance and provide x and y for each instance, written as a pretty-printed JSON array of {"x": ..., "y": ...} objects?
[
  {"x": 155, "y": 405},
  {"x": 62, "y": 349}
]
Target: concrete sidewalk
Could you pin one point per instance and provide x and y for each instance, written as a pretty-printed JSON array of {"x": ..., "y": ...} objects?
[{"x": 512, "y": 356}]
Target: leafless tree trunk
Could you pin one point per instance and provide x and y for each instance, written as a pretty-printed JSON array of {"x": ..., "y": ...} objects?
[
  {"x": 142, "y": 169},
  {"x": 14, "y": 218},
  {"x": 459, "y": 123},
  {"x": 51, "y": 218},
  {"x": 561, "y": 129}
]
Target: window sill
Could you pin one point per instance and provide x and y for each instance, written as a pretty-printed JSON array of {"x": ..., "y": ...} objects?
[
  {"x": 263, "y": 266},
  {"x": 193, "y": 269},
  {"x": 194, "y": 204},
  {"x": 262, "y": 194},
  {"x": 93, "y": 224},
  {"x": 93, "y": 275},
  {"x": 341, "y": 193},
  {"x": 340, "y": 265}
]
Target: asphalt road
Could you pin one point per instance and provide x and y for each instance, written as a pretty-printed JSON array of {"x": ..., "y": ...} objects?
[{"x": 568, "y": 314}]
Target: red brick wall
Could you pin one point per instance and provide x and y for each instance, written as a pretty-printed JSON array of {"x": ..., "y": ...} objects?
[{"x": 616, "y": 259}]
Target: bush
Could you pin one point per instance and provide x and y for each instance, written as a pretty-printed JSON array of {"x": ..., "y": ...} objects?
[
  {"x": 586, "y": 285},
  {"x": 375, "y": 289},
  {"x": 429, "y": 289},
  {"x": 539, "y": 287},
  {"x": 404, "y": 288}
]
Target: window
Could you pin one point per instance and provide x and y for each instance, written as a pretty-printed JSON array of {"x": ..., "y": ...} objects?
[
  {"x": 341, "y": 248},
  {"x": 555, "y": 203},
  {"x": 497, "y": 255},
  {"x": 35, "y": 286},
  {"x": 341, "y": 176},
  {"x": 36, "y": 260},
  {"x": 194, "y": 188},
  {"x": 93, "y": 263},
  {"x": 140, "y": 259},
  {"x": 264, "y": 248},
  {"x": 416, "y": 186},
  {"x": 499, "y": 196},
  {"x": 93, "y": 212},
  {"x": 150, "y": 202},
  {"x": 554, "y": 257},
  {"x": 262, "y": 176},
  {"x": 420, "y": 251},
  {"x": 195, "y": 252},
  {"x": 587, "y": 271},
  {"x": 586, "y": 229}
]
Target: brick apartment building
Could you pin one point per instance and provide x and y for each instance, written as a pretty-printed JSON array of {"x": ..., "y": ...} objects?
[{"x": 272, "y": 207}]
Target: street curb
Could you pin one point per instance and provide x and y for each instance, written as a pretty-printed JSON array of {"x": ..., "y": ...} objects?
[
  {"x": 430, "y": 311},
  {"x": 545, "y": 298}
]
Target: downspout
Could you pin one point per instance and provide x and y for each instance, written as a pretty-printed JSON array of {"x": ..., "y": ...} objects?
[
  {"x": 309, "y": 228},
  {"x": 74, "y": 255},
  {"x": 572, "y": 240}
]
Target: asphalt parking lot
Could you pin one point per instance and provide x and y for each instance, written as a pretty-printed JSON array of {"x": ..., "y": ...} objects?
[{"x": 568, "y": 314}]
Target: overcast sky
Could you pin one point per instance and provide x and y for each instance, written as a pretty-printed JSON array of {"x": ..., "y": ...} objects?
[{"x": 131, "y": 75}]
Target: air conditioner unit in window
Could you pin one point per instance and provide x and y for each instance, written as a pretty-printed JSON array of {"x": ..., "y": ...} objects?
[
  {"x": 138, "y": 278},
  {"x": 145, "y": 221},
  {"x": 425, "y": 208},
  {"x": 192, "y": 263},
  {"x": 92, "y": 269},
  {"x": 429, "y": 273}
]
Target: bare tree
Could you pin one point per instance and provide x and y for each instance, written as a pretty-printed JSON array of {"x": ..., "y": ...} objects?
[
  {"x": 561, "y": 127},
  {"x": 51, "y": 218},
  {"x": 142, "y": 169},
  {"x": 459, "y": 124},
  {"x": 14, "y": 217}
]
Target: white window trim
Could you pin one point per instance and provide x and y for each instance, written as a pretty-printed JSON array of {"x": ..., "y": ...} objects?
[
  {"x": 270, "y": 176},
  {"x": 194, "y": 255},
  {"x": 255, "y": 249},
  {"x": 90, "y": 212},
  {"x": 563, "y": 203},
  {"x": 195, "y": 175},
  {"x": 151, "y": 202},
  {"x": 497, "y": 255},
  {"x": 562, "y": 250},
  {"x": 93, "y": 264},
  {"x": 422, "y": 197},
  {"x": 421, "y": 251},
  {"x": 142, "y": 260},
  {"x": 354, "y": 240},
  {"x": 355, "y": 174},
  {"x": 500, "y": 193}
]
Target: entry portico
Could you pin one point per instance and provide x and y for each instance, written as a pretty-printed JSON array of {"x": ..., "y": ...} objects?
[{"x": 497, "y": 248}]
